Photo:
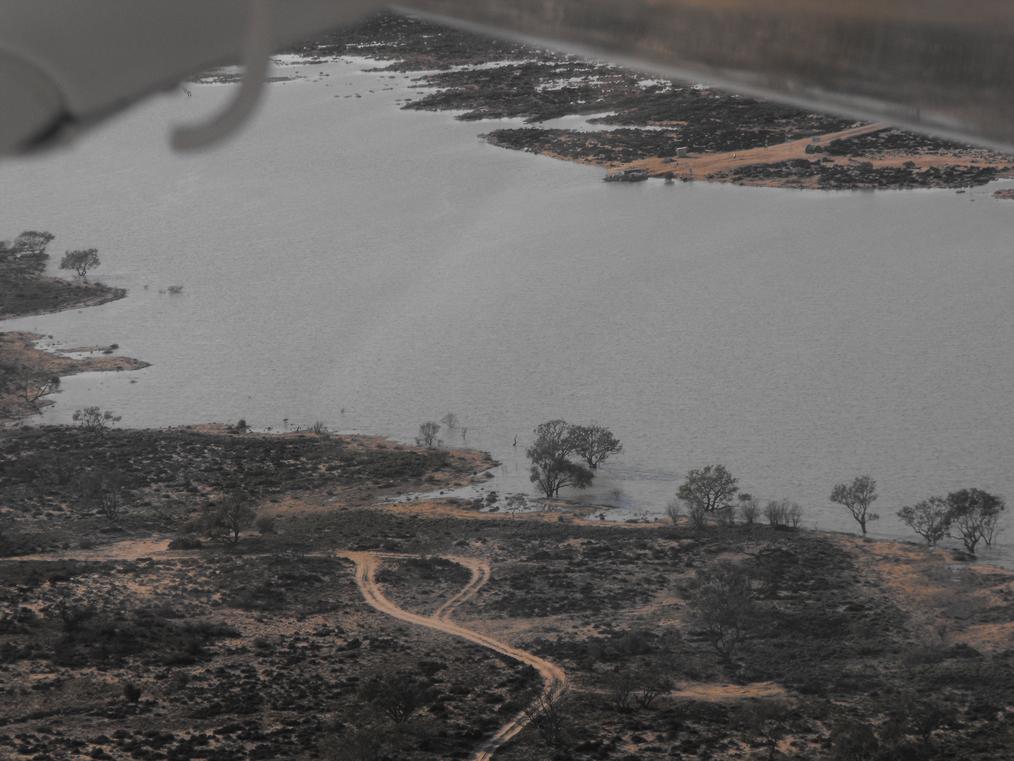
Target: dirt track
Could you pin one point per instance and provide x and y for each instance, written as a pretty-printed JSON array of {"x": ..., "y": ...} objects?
[
  {"x": 708, "y": 164},
  {"x": 553, "y": 677}
]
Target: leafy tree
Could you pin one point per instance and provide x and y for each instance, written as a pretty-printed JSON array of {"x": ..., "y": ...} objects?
[
  {"x": 228, "y": 517},
  {"x": 975, "y": 515},
  {"x": 32, "y": 242},
  {"x": 709, "y": 489},
  {"x": 723, "y": 607},
  {"x": 551, "y": 467},
  {"x": 428, "y": 434},
  {"x": 80, "y": 261},
  {"x": 236, "y": 514},
  {"x": 930, "y": 519},
  {"x": 857, "y": 498},
  {"x": 777, "y": 513},
  {"x": 594, "y": 443},
  {"x": 26, "y": 256}
]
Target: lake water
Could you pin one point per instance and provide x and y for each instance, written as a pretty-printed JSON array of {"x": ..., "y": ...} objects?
[{"x": 341, "y": 254}]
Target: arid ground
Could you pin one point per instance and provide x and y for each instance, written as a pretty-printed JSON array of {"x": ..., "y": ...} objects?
[{"x": 347, "y": 625}]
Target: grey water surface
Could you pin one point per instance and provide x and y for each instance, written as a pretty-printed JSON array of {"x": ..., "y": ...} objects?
[{"x": 341, "y": 254}]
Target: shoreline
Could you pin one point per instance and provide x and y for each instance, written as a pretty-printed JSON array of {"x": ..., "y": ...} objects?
[
  {"x": 108, "y": 295},
  {"x": 42, "y": 294},
  {"x": 20, "y": 348},
  {"x": 651, "y": 128},
  {"x": 835, "y": 620}
]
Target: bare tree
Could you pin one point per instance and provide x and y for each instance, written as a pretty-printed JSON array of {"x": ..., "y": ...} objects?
[
  {"x": 723, "y": 607},
  {"x": 32, "y": 383},
  {"x": 794, "y": 514},
  {"x": 94, "y": 418},
  {"x": 620, "y": 686},
  {"x": 777, "y": 513},
  {"x": 930, "y": 519},
  {"x": 651, "y": 686},
  {"x": 674, "y": 510},
  {"x": 697, "y": 516},
  {"x": 857, "y": 498},
  {"x": 398, "y": 697},
  {"x": 81, "y": 261},
  {"x": 428, "y": 433},
  {"x": 104, "y": 492},
  {"x": 546, "y": 714},
  {"x": 450, "y": 420},
  {"x": 749, "y": 508},
  {"x": 594, "y": 443},
  {"x": 324, "y": 437},
  {"x": 711, "y": 488}
]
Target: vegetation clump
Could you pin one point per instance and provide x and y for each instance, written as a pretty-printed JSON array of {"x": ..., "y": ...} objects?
[{"x": 565, "y": 455}]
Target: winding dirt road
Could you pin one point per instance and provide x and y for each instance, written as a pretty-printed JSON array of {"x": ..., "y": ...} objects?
[{"x": 554, "y": 678}]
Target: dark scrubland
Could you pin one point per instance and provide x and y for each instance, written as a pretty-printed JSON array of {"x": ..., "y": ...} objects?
[
  {"x": 264, "y": 648},
  {"x": 185, "y": 659},
  {"x": 39, "y": 295},
  {"x": 862, "y": 175},
  {"x": 25, "y": 288},
  {"x": 653, "y": 118},
  {"x": 164, "y": 477},
  {"x": 27, "y": 374}
]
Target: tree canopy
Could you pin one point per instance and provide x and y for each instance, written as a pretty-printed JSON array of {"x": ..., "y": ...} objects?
[
  {"x": 81, "y": 261},
  {"x": 552, "y": 469},
  {"x": 975, "y": 515},
  {"x": 930, "y": 519},
  {"x": 428, "y": 433},
  {"x": 708, "y": 489},
  {"x": 594, "y": 443},
  {"x": 857, "y": 498}
]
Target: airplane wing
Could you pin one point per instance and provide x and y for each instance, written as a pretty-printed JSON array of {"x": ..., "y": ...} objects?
[{"x": 939, "y": 66}]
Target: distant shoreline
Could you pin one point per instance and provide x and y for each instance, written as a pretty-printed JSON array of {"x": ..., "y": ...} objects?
[{"x": 49, "y": 295}]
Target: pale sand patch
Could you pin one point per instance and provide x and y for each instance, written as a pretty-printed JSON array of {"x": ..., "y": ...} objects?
[
  {"x": 939, "y": 594},
  {"x": 126, "y": 549},
  {"x": 988, "y": 637},
  {"x": 719, "y": 692}
]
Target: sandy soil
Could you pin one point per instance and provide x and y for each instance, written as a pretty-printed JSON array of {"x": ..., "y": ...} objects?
[
  {"x": 554, "y": 678},
  {"x": 19, "y": 348},
  {"x": 710, "y": 165}
]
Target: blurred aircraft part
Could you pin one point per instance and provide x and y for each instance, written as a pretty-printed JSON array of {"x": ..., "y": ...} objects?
[
  {"x": 939, "y": 66},
  {"x": 67, "y": 64},
  {"x": 945, "y": 67}
]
